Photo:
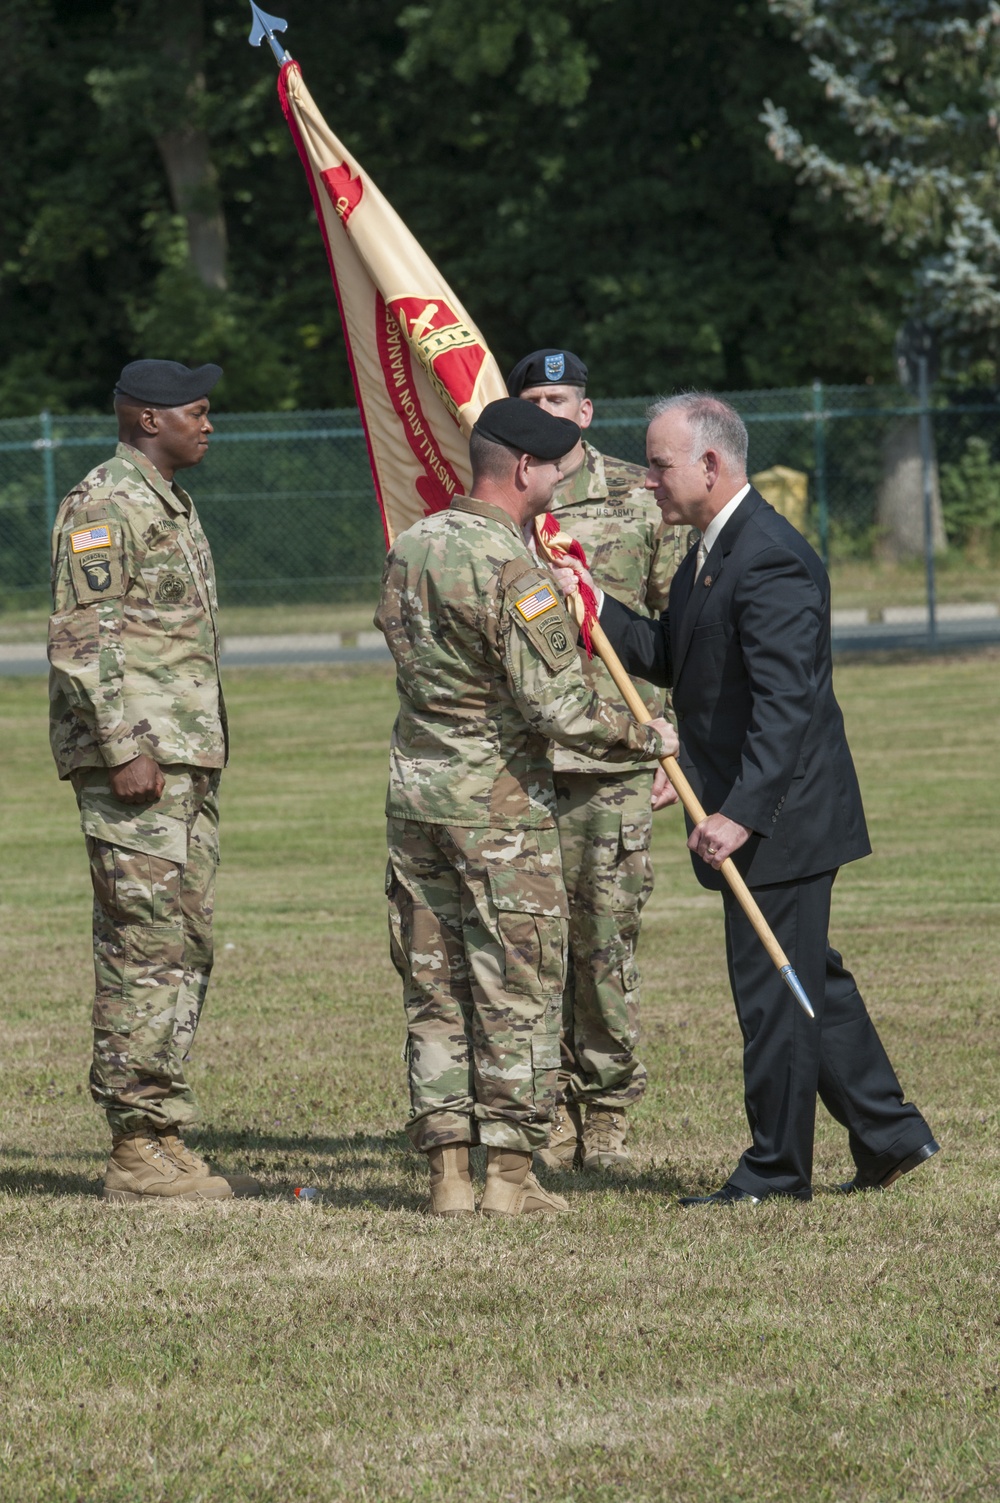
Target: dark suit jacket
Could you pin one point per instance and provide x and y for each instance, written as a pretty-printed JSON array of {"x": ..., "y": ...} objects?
[{"x": 748, "y": 656}]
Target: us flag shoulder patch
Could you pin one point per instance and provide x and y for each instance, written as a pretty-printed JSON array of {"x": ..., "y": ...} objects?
[
  {"x": 536, "y": 603},
  {"x": 93, "y": 537}
]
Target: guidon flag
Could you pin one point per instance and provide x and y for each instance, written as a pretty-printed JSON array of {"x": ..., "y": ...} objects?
[{"x": 422, "y": 372}]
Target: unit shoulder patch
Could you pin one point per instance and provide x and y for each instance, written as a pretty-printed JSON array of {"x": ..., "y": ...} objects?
[
  {"x": 95, "y": 563},
  {"x": 541, "y": 618}
]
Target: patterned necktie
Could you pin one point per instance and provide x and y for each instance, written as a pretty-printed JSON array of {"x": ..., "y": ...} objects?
[{"x": 702, "y": 558}]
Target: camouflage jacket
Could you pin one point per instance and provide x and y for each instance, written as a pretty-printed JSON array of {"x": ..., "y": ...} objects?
[
  {"x": 133, "y": 637},
  {"x": 631, "y": 554},
  {"x": 487, "y": 676}
]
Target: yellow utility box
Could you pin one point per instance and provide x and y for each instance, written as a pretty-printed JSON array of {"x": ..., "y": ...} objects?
[{"x": 788, "y": 492}]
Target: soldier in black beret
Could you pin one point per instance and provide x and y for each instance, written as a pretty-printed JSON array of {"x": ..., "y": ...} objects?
[
  {"x": 604, "y": 813},
  {"x": 166, "y": 383},
  {"x": 547, "y": 368},
  {"x": 138, "y": 726},
  {"x": 488, "y": 676},
  {"x": 526, "y": 430}
]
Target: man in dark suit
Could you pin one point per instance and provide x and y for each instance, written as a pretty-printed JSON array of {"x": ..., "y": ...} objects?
[{"x": 745, "y": 645}]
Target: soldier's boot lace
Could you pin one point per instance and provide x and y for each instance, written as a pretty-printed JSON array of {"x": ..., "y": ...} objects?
[
  {"x": 512, "y": 1189},
  {"x": 604, "y": 1133},
  {"x": 141, "y": 1169},
  {"x": 242, "y": 1185},
  {"x": 450, "y": 1181},
  {"x": 564, "y": 1146}
]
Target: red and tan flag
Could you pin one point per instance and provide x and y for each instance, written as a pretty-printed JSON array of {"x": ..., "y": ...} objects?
[{"x": 421, "y": 369}]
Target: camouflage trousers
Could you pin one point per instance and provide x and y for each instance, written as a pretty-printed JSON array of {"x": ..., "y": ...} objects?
[
  {"x": 478, "y": 925},
  {"x": 605, "y": 825},
  {"x": 153, "y": 871}
]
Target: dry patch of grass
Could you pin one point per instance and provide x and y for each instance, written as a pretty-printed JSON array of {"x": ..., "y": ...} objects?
[
  {"x": 876, "y": 584},
  {"x": 844, "y": 1350}
]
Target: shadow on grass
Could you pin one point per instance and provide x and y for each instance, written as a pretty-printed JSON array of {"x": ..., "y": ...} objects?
[
  {"x": 385, "y": 1161},
  {"x": 365, "y": 1150},
  {"x": 391, "y": 1163},
  {"x": 32, "y": 1181},
  {"x": 655, "y": 1180},
  {"x": 95, "y": 1155},
  {"x": 358, "y": 1170}
]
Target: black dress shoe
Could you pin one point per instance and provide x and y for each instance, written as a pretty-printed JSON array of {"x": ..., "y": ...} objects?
[
  {"x": 862, "y": 1182},
  {"x": 727, "y": 1196}
]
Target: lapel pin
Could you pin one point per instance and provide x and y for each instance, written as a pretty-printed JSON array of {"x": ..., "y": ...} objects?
[{"x": 708, "y": 581}]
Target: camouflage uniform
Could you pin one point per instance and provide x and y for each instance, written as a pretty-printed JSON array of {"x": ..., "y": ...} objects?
[
  {"x": 487, "y": 674},
  {"x": 134, "y": 654},
  {"x": 604, "y": 818}
]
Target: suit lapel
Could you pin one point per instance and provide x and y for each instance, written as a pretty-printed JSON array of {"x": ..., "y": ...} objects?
[
  {"x": 680, "y": 599},
  {"x": 696, "y": 600},
  {"x": 715, "y": 563}
]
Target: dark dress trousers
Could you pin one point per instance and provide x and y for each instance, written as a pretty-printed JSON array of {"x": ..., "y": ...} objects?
[{"x": 746, "y": 649}]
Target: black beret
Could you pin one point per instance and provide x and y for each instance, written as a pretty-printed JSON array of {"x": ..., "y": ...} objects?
[
  {"x": 166, "y": 383},
  {"x": 527, "y": 429},
  {"x": 547, "y": 368}
]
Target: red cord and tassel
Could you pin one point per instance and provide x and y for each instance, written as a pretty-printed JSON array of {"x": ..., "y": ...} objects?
[{"x": 548, "y": 529}]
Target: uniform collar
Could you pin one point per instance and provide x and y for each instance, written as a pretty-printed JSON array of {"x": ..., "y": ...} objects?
[
  {"x": 484, "y": 509},
  {"x": 588, "y": 484},
  {"x": 173, "y": 496}
]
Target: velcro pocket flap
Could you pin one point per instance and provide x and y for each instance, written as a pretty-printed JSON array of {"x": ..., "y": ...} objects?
[
  {"x": 525, "y": 872},
  {"x": 636, "y": 834},
  {"x": 545, "y": 1051},
  {"x": 102, "y": 817}
]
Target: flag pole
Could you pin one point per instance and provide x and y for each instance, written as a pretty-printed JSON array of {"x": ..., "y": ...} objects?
[{"x": 554, "y": 548}]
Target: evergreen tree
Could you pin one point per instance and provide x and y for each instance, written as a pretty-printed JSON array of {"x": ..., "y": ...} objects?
[{"x": 918, "y": 84}]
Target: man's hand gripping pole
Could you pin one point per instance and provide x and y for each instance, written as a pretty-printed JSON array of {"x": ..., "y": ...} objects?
[{"x": 554, "y": 546}]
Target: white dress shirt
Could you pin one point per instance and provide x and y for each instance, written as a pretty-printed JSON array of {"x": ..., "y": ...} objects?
[
  {"x": 708, "y": 539},
  {"x": 716, "y": 525}
]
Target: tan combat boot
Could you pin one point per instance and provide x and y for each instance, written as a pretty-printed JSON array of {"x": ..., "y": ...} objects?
[
  {"x": 141, "y": 1169},
  {"x": 604, "y": 1139},
  {"x": 512, "y": 1189},
  {"x": 242, "y": 1185},
  {"x": 451, "y": 1182},
  {"x": 563, "y": 1150}
]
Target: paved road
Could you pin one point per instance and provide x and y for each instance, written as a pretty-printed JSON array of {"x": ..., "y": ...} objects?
[
  {"x": 20, "y": 658},
  {"x": 28, "y": 658},
  {"x": 892, "y": 636}
]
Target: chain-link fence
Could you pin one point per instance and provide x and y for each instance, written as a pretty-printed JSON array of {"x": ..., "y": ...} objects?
[{"x": 287, "y": 498}]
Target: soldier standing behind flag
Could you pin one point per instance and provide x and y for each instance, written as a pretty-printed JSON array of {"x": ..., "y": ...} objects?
[
  {"x": 487, "y": 675},
  {"x": 603, "y": 814},
  {"x": 137, "y": 723}
]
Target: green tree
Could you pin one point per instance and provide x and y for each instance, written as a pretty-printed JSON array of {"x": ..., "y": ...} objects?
[
  {"x": 918, "y": 84},
  {"x": 588, "y": 173},
  {"x": 608, "y": 154}
]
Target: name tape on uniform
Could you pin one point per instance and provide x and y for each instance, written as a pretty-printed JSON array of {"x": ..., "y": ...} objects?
[
  {"x": 537, "y": 603},
  {"x": 94, "y": 537}
]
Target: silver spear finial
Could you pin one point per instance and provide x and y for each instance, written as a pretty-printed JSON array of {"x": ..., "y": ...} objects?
[{"x": 265, "y": 26}]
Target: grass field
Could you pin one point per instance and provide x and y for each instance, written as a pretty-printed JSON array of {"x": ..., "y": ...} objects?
[{"x": 269, "y": 1351}]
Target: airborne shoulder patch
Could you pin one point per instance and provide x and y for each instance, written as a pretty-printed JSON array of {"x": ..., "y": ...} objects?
[
  {"x": 536, "y": 602},
  {"x": 539, "y": 615},
  {"x": 95, "y": 563}
]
